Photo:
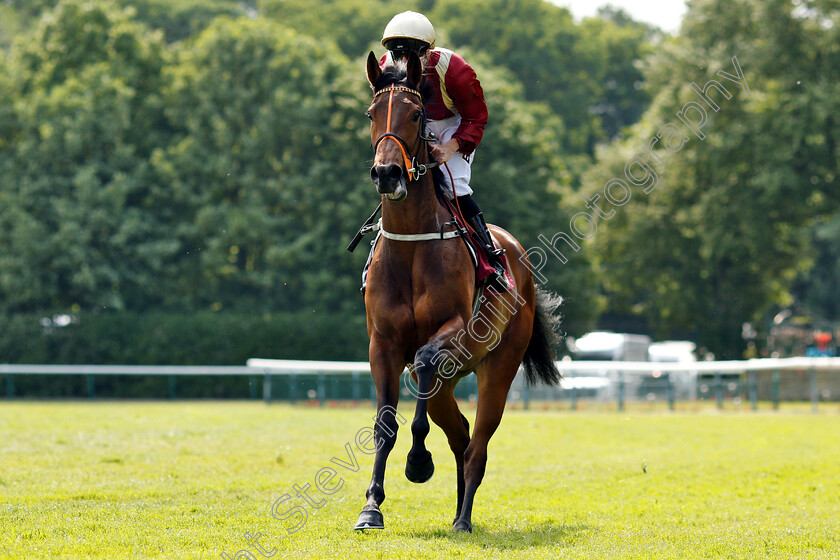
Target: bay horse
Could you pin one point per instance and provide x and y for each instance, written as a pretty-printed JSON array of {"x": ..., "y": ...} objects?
[{"x": 419, "y": 303}]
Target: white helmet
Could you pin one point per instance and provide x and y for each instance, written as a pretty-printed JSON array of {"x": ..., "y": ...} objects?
[{"x": 408, "y": 31}]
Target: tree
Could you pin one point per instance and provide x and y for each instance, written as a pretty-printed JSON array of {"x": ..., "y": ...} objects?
[
  {"x": 540, "y": 44},
  {"x": 178, "y": 19},
  {"x": 721, "y": 237},
  {"x": 84, "y": 113},
  {"x": 355, "y": 26},
  {"x": 816, "y": 289},
  {"x": 586, "y": 73},
  {"x": 622, "y": 43},
  {"x": 10, "y": 25},
  {"x": 266, "y": 170}
]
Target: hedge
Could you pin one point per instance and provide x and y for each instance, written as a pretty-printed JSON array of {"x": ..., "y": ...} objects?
[{"x": 204, "y": 338}]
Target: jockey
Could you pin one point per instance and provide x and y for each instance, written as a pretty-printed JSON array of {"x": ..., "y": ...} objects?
[{"x": 456, "y": 112}]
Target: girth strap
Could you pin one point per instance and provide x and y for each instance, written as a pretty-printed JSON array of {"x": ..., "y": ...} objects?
[{"x": 413, "y": 236}]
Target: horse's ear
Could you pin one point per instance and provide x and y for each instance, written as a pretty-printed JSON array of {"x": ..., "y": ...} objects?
[
  {"x": 414, "y": 69},
  {"x": 373, "y": 70}
]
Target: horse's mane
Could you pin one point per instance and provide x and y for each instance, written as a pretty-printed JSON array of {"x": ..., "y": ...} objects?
[{"x": 396, "y": 73}]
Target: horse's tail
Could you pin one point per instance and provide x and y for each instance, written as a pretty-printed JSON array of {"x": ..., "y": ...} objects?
[{"x": 539, "y": 358}]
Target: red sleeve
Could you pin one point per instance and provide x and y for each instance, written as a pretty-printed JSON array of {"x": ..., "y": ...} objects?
[{"x": 464, "y": 89}]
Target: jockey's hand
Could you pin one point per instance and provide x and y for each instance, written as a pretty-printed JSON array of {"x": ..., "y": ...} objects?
[{"x": 443, "y": 152}]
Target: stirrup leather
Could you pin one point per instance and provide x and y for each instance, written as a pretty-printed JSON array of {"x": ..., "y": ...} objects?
[{"x": 498, "y": 280}]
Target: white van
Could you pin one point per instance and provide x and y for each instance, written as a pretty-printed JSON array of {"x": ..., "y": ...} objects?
[
  {"x": 610, "y": 346},
  {"x": 677, "y": 351}
]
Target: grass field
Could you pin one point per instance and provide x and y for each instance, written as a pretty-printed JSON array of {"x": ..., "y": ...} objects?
[{"x": 189, "y": 480}]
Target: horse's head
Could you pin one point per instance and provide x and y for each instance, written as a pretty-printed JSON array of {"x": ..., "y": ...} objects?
[{"x": 397, "y": 118}]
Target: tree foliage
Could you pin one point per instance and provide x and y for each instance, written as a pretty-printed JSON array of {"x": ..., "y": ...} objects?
[
  {"x": 263, "y": 118},
  {"x": 584, "y": 72},
  {"x": 78, "y": 226},
  {"x": 723, "y": 235},
  {"x": 211, "y": 156}
]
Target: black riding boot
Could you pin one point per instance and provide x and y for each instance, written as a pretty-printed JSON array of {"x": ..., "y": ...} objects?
[
  {"x": 493, "y": 254},
  {"x": 480, "y": 226}
]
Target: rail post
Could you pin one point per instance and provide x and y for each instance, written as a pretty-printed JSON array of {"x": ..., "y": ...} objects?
[
  {"x": 815, "y": 394},
  {"x": 357, "y": 390},
  {"x": 267, "y": 387},
  {"x": 252, "y": 387},
  {"x": 753, "y": 382},
  {"x": 91, "y": 386},
  {"x": 775, "y": 390},
  {"x": 322, "y": 389},
  {"x": 620, "y": 391},
  {"x": 671, "y": 394}
]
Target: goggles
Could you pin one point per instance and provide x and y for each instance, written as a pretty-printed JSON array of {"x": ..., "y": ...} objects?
[{"x": 400, "y": 47}]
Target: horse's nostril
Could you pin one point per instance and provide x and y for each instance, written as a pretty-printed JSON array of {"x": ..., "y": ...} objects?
[{"x": 394, "y": 171}]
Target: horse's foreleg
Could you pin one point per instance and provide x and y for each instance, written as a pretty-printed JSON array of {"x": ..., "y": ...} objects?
[
  {"x": 385, "y": 368},
  {"x": 419, "y": 466}
]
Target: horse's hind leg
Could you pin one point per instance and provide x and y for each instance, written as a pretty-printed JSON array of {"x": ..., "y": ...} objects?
[
  {"x": 494, "y": 379},
  {"x": 443, "y": 409}
]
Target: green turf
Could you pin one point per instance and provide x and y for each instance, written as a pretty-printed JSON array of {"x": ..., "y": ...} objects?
[{"x": 188, "y": 480}]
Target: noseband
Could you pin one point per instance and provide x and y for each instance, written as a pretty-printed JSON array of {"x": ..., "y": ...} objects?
[{"x": 413, "y": 169}]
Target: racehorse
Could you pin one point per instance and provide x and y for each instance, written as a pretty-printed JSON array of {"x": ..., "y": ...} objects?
[{"x": 419, "y": 302}]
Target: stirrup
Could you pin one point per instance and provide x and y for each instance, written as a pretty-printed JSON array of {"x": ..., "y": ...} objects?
[
  {"x": 498, "y": 280},
  {"x": 493, "y": 251}
]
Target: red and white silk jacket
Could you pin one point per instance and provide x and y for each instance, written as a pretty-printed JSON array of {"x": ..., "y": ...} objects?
[{"x": 456, "y": 91}]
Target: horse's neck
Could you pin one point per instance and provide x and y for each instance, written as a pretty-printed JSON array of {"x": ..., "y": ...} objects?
[{"x": 419, "y": 212}]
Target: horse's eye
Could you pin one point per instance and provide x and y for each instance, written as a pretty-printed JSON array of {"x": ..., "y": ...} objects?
[
  {"x": 416, "y": 115},
  {"x": 368, "y": 115}
]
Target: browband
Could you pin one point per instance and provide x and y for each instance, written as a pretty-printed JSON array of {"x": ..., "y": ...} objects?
[{"x": 397, "y": 88}]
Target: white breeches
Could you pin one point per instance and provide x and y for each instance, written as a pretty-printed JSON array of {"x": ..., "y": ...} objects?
[{"x": 459, "y": 164}]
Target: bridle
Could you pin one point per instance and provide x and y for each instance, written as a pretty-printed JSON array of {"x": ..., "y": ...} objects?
[{"x": 412, "y": 168}]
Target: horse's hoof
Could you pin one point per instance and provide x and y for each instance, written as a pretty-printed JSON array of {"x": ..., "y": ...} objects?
[
  {"x": 462, "y": 527},
  {"x": 420, "y": 473},
  {"x": 370, "y": 519}
]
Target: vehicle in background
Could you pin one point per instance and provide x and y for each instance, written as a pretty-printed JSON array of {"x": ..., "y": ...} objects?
[
  {"x": 610, "y": 346},
  {"x": 607, "y": 346},
  {"x": 671, "y": 351}
]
